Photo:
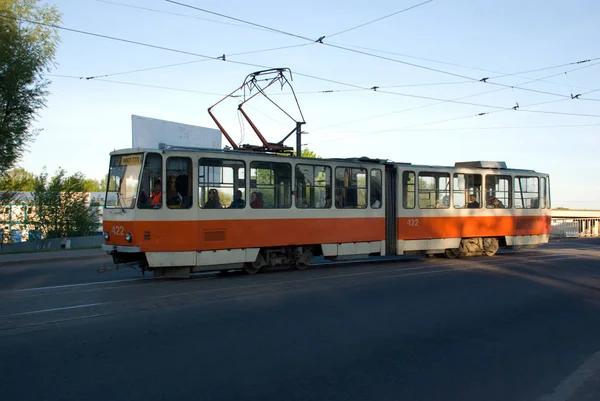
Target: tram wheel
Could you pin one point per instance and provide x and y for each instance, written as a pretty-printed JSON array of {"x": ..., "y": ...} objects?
[
  {"x": 250, "y": 269},
  {"x": 301, "y": 266},
  {"x": 490, "y": 246},
  {"x": 452, "y": 253}
]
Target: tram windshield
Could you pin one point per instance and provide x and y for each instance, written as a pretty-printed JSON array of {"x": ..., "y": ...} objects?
[{"x": 123, "y": 181}]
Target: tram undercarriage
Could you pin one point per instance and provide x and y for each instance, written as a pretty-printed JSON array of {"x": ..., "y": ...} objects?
[{"x": 299, "y": 257}]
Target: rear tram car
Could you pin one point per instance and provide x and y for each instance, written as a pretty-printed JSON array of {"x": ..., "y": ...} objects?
[{"x": 177, "y": 210}]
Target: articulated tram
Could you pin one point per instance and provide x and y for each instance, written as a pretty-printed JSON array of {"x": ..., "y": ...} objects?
[{"x": 177, "y": 210}]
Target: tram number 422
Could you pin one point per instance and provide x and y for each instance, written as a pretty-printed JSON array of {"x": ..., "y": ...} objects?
[
  {"x": 412, "y": 222},
  {"x": 117, "y": 230}
]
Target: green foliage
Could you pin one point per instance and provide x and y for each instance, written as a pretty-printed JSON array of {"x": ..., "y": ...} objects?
[
  {"x": 17, "y": 180},
  {"x": 26, "y": 53},
  {"x": 62, "y": 207},
  {"x": 306, "y": 153}
]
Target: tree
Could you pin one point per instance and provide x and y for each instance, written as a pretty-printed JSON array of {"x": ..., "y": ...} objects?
[
  {"x": 17, "y": 180},
  {"x": 62, "y": 206},
  {"x": 27, "y": 51}
]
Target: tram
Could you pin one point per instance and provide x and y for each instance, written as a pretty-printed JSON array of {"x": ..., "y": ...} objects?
[
  {"x": 174, "y": 210},
  {"x": 178, "y": 210}
]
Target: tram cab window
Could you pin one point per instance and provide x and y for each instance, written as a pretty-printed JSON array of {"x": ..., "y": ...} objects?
[
  {"x": 221, "y": 183},
  {"x": 123, "y": 181},
  {"x": 465, "y": 186},
  {"x": 408, "y": 190},
  {"x": 350, "y": 188},
  {"x": 434, "y": 190},
  {"x": 498, "y": 191},
  {"x": 313, "y": 186},
  {"x": 375, "y": 189},
  {"x": 152, "y": 185},
  {"x": 270, "y": 185},
  {"x": 179, "y": 183},
  {"x": 527, "y": 193}
]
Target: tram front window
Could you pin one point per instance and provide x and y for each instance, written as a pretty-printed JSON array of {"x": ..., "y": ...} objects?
[{"x": 123, "y": 181}]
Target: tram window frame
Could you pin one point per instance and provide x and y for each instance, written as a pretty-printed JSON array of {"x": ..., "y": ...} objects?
[
  {"x": 548, "y": 199},
  {"x": 407, "y": 193},
  {"x": 310, "y": 195},
  {"x": 521, "y": 202},
  {"x": 500, "y": 192},
  {"x": 470, "y": 186},
  {"x": 441, "y": 196},
  {"x": 149, "y": 176},
  {"x": 542, "y": 188},
  {"x": 348, "y": 187},
  {"x": 217, "y": 182},
  {"x": 376, "y": 195},
  {"x": 179, "y": 191},
  {"x": 277, "y": 188}
]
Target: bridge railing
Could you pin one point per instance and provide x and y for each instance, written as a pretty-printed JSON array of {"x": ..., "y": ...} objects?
[{"x": 575, "y": 223}]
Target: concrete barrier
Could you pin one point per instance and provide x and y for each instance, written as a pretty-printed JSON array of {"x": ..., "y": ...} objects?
[
  {"x": 52, "y": 244},
  {"x": 19, "y": 259}
]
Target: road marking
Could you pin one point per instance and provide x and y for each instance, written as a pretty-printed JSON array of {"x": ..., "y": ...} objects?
[
  {"x": 433, "y": 265},
  {"x": 55, "y": 287},
  {"x": 451, "y": 267},
  {"x": 568, "y": 386},
  {"x": 52, "y": 310}
]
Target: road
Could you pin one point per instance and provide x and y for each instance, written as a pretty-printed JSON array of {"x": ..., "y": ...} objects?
[{"x": 518, "y": 326}]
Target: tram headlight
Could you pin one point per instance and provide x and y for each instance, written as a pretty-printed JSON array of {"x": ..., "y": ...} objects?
[
  {"x": 128, "y": 237},
  {"x": 106, "y": 235}
]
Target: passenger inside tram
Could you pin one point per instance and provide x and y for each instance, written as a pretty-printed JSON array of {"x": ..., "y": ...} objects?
[
  {"x": 213, "y": 201},
  {"x": 256, "y": 200},
  {"x": 473, "y": 204},
  {"x": 174, "y": 198},
  {"x": 238, "y": 201},
  {"x": 494, "y": 202}
]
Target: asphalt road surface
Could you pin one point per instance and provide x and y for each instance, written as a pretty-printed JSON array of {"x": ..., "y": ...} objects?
[{"x": 518, "y": 326}]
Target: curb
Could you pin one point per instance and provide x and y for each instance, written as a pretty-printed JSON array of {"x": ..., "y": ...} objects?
[{"x": 19, "y": 262}]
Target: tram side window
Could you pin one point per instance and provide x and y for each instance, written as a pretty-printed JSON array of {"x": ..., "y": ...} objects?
[
  {"x": 464, "y": 188},
  {"x": 151, "y": 186},
  {"x": 408, "y": 189},
  {"x": 270, "y": 185},
  {"x": 375, "y": 189},
  {"x": 179, "y": 183},
  {"x": 221, "y": 183},
  {"x": 527, "y": 193},
  {"x": 498, "y": 191},
  {"x": 313, "y": 186},
  {"x": 350, "y": 188},
  {"x": 434, "y": 190}
]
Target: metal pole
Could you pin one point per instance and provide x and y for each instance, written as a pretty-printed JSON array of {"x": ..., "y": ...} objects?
[{"x": 298, "y": 139}]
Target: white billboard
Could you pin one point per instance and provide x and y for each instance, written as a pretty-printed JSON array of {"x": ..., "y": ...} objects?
[{"x": 149, "y": 132}]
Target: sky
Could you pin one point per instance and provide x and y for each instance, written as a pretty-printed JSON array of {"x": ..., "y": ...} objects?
[{"x": 428, "y": 63}]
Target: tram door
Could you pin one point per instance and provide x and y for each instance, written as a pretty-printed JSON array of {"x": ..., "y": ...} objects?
[{"x": 390, "y": 209}]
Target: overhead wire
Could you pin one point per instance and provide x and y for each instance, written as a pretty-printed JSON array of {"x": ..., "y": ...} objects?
[
  {"x": 249, "y": 24},
  {"x": 179, "y": 15},
  {"x": 455, "y": 99},
  {"x": 502, "y": 74},
  {"x": 140, "y": 85},
  {"x": 239, "y": 20},
  {"x": 456, "y": 119},
  {"x": 223, "y": 58},
  {"x": 249, "y": 64},
  {"x": 320, "y": 40},
  {"x": 378, "y": 19}
]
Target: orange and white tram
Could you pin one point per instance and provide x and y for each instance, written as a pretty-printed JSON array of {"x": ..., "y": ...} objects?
[{"x": 177, "y": 210}]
